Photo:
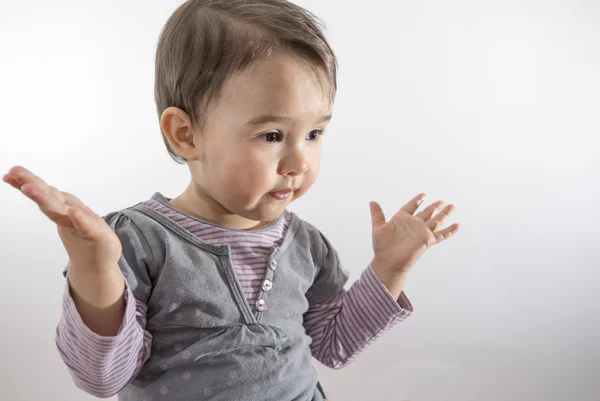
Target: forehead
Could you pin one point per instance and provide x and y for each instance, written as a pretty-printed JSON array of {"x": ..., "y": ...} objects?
[{"x": 282, "y": 84}]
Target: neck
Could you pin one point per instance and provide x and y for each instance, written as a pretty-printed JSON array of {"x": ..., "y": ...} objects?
[{"x": 199, "y": 204}]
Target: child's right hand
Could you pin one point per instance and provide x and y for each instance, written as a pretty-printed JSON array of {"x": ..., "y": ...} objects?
[{"x": 90, "y": 243}]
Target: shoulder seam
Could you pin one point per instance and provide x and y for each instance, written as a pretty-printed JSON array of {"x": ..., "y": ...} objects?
[{"x": 145, "y": 239}]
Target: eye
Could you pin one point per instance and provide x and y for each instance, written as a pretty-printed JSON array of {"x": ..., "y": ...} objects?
[
  {"x": 314, "y": 135},
  {"x": 271, "y": 136}
]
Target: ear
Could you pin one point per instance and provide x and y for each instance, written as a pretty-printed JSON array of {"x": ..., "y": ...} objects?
[{"x": 178, "y": 129}]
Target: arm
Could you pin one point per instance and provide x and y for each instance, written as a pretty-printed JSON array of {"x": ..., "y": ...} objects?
[
  {"x": 103, "y": 365},
  {"x": 98, "y": 322},
  {"x": 98, "y": 295},
  {"x": 102, "y": 361},
  {"x": 345, "y": 325},
  {"x": 342, "y": 327}
]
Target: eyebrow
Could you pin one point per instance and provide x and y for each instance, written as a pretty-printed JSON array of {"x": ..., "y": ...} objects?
[{"x": 270, "y": 118}]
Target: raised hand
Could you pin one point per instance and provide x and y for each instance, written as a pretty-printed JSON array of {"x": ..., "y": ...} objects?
[
  {"x": 88, "y": 240},
  {"x": 401, "y": 241}
]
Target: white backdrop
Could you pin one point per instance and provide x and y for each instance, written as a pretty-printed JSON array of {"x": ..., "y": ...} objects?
[{"x": 491, "y": 105}]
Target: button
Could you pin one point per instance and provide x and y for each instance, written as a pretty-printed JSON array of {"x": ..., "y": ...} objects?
[
  {"x": 267, "y": 285},
  {"x": 261, "y": 305},
  {"x": 272, "y": 264}
]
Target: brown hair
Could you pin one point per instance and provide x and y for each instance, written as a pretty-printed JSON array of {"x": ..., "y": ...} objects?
[{"x": 204, "y": 42}]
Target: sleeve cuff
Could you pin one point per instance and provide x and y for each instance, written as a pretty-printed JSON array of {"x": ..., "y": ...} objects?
[
  {"x": 73, "y": 319},
  {"x": 402, "y": 305}
]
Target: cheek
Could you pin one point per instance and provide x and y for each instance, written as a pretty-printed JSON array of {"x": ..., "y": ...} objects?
[
  {"x": 252, "y": 172},
  {"x": 315, "y": 164},
  {"x": 312, "y": 174},
  {"x": 312, "y": 177}
]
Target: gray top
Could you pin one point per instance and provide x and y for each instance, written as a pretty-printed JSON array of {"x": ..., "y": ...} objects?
[{"x": 200, "y": 320}]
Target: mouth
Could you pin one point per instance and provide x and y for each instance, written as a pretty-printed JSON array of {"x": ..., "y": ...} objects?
[{"x": 282, "y": 194}]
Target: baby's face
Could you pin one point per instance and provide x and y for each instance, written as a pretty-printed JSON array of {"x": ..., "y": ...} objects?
[{"x": 260, "y": 148}]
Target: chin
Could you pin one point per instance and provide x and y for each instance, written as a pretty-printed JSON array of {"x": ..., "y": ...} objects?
[
  {"x": 264, "y": 213},
  {"x": 270, "y": 215}
]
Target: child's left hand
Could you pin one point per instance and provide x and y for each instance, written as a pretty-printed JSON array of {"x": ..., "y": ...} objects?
[{"x": 400, "y": 242}]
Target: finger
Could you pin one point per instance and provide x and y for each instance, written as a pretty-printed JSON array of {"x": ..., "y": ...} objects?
[
  {"x": 412, "y": 206},
  {"x": 13, "y": 177},
  {"x": 48, "y": 204},
  {"x": 12, "y": 181},
  {"x": 12, "y": 173},
  {"x": 377, "y": 216},
  {"x": 428, "y": 213},
  {"x": 86, "y": 225},
  {"x": 72, "y": 200},
  {"x": 52, "y": 202},
  {"x": 440, "y": 218},
  {"x": 446, "y": 233},
  {"x": 23, "y": 176},
  {"x": 19, "y": 176}
]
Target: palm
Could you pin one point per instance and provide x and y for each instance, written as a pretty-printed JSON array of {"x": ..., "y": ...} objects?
[{"x": 402, "y": 240}]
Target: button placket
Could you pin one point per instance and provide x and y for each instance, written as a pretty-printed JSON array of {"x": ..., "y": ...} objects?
[
  {"x": 261, "y": 305},
  {"x": 267, "y": 285}
]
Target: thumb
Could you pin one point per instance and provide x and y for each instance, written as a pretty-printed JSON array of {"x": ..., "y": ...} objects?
[
  {"x": 377, "y": 216},
  {"x": 84, "y": 224}
]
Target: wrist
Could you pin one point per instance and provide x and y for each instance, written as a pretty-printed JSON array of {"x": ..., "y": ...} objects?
[
  {"x": 380, "y": 265},
  {"x": 392, "y": 279}
]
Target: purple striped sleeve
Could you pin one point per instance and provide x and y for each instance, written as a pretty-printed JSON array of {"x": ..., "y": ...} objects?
[
  {"x": 342, "y": 327},
  {"x": 103, "y": 365}
]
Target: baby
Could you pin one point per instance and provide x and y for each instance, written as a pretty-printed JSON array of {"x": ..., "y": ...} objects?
[{"x": 222, "y": 293}]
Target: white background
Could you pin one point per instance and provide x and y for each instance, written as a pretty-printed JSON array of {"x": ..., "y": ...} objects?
[{"x": 490, "y": 105}]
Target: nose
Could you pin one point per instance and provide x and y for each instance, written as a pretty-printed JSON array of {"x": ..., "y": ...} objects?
[{"x": 293, "y": 163}]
